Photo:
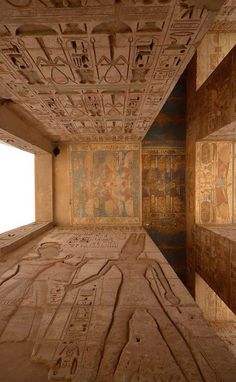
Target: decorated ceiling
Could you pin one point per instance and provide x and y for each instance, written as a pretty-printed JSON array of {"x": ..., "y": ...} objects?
[{"x": 96, "y": 70}]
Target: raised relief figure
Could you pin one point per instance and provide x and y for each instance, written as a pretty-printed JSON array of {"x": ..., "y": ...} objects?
[
  {"x": 140, "y": 339},
  {"x": 112, "y": 317},
  {"x": 36, "y": 283}
]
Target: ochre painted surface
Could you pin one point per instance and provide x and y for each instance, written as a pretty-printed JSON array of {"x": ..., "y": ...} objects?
[
  {"x": 103, "y": 305},
  {"x": 163, "y": 182},
  {"x": 105, "y": 181},
  {"x": 214, "y": 182}
]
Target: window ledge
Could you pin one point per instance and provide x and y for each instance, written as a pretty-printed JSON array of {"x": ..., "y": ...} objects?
[{"x": 14, "y": 238}]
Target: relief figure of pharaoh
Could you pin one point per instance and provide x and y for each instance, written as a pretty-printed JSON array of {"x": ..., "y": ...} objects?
[
  {"x": 142, "y": 342},
  {"x": 27, "y": 290}
]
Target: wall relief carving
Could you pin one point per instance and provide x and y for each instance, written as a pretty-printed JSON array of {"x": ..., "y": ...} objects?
[{"x": 114, "y": 314}]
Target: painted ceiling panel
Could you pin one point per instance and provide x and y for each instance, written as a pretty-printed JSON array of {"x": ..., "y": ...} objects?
[{"x": 96, "y": 70}]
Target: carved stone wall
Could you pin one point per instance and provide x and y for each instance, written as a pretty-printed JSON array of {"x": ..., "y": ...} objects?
[
  {"x": 163, "y": 179},
  {"x": 105, "y": 181},
  {"x": 96, "y": 69},
  {"x": 103, "y": 305},
  {"x": 210, "y": 113},
  {"x": 214, "y": 250}
]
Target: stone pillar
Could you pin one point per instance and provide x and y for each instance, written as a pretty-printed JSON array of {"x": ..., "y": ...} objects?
[{"x": 43, "y": 188}]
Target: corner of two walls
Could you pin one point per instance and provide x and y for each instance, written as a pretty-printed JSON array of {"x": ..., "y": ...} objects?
[{"x": 210, "y": 162}]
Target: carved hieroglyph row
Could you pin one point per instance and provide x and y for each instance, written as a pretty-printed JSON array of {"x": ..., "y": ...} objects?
[
  {"x": 96, "y": 70},
  {"x": 107, "y": 314}
]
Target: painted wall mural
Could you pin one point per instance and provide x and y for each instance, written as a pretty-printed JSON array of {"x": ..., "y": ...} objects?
[
  {"x": 214, "y": 182},
  {"x": 163, "y": 183},
  {"x": 99, "y": 69},
  {"x": 104, "y": 313},
  {"x": 105, "y": 183}
]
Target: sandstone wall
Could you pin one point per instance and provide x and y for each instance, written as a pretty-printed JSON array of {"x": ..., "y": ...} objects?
[
  {"x": 210, "y": 133},
  {"x": 102, "y": 305}
]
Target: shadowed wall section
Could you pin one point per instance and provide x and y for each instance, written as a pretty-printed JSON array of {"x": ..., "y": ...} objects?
[{"x": 163, "y": 166}]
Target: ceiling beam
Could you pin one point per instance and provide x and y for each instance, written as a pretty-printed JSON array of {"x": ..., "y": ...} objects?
[{"x": 18, "y": 129}]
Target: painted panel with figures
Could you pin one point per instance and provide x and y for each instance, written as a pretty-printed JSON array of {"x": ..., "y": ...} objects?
[
  {"x": 214, "y": 182},
  {"x": 105, "y": 183}
]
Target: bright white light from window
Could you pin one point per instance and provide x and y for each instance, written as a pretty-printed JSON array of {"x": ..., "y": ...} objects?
[{"x": 17, "y": 199}]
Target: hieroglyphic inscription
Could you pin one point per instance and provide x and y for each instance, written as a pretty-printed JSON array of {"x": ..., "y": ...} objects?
[
  {"x": 214, "y": 182},
  {"x": 89, "y": 74}
]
